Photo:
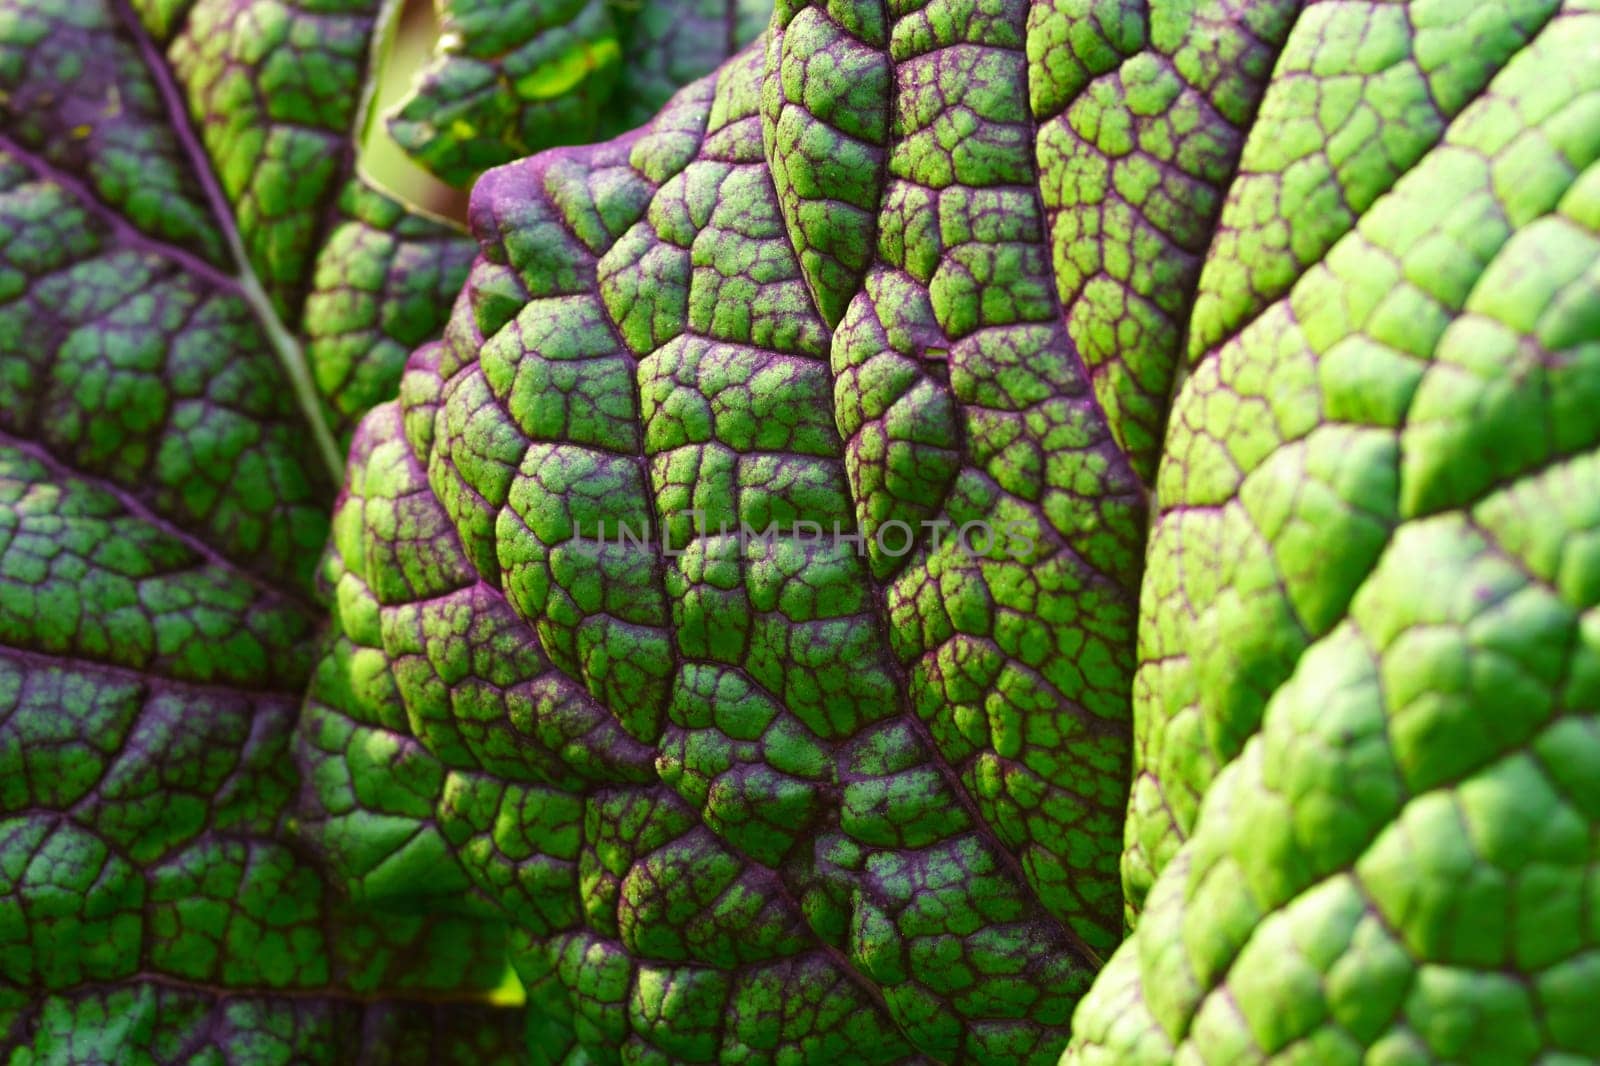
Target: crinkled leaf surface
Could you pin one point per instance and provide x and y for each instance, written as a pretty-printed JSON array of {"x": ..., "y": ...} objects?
[
  {"x": 211, "y": 145},
  {"x": 197, "y": 293},
  {"x": 164, "y": 492},
  {"x": 1364, "y": 823},
  {"x": 952, "y": 262},
  {"x": 1265, "y": 331},
  {"x": 510, "y": 77}
]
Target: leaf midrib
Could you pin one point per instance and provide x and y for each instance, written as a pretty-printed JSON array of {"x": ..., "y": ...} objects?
[{"x": 285, "y": 345}]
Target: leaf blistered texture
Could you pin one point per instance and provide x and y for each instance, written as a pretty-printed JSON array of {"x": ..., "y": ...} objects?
[
  {"x": 105, "y": 95},
  {"x": 1364, "y": 823},
  {"x": 217, "y": 139},
  {"x": 1167, "y": 430},
  {"x": 197, "y": 293},
  {"x": 163, "y": 500},
  {"x": 751, "y": 799}
]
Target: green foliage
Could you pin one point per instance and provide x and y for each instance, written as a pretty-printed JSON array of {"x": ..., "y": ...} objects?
[
  {"x": 1264, "y": 331},
  {"x": 198, "y": 295},
  {"x": 510, "y": 77}
]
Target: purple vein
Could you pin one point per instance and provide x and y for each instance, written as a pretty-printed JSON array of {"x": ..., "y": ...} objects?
[
  {"x": 82, "y": 665},
  {"x": 122, "y": 230},
  {"x": 136, "y": 508}
]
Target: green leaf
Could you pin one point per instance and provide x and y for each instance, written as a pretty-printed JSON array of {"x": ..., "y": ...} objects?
[
  {"x": 165, "y": 471},
  {"x": 198, "y": 296},
  {"x": 1363, "y": 826},
  {"x": 708, "y": 777},
  {"x": 215, "y": 145},
  {"x": 938, "y": 264},
  {"x": 510, "y": 77},
  {"x": 987, "y": 531}
]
